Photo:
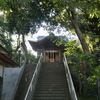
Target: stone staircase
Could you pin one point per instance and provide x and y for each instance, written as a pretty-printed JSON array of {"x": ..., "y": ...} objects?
[{"x": 52, "y": 83}]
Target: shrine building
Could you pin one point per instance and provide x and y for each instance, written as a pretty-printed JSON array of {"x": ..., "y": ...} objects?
[{"x": 50, "y": 51}]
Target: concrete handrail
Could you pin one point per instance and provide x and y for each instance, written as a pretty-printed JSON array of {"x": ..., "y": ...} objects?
[
  {"x": 18, "y": 81},
  {"x": 70, "y": 82},
  {"x": 31, "y": 85}
]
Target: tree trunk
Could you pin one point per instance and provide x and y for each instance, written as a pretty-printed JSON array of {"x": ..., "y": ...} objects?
[
  {"x": 16, "y": 50},
  {"x": 78, "y": 31},
  {"x": 85, "y": 85},
  {"x": 24, "y": 50},
  {"x": 85, "y": 88},
  {"x": 84, "y": 46},
  {"x": 80, "y": 86}
]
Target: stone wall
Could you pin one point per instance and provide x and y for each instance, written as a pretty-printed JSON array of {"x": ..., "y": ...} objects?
[
  {"x": 10, "y": 79},
  {"x": 1, "y": 81}
]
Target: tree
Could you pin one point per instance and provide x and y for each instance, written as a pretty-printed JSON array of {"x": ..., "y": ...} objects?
[
  {"x": 23, "y": 18},
  {"x": 5, "y": 36},
  {"x": 70, "y": 14},
  {"x": 83, "y": 68}
]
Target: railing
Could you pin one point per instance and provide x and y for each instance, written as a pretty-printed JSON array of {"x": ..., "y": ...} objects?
[
  {"x": 70, "y": 82},
  {"x": 18, "y": 81},
  {"x": 31, "y": 87}
]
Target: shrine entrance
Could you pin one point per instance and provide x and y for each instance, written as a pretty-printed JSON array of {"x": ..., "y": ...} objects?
[
  {"x": 52, "y": 55},
  {"x": 50, "y": 51}
]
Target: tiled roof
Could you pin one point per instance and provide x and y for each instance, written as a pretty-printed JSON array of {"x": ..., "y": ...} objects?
[
  {"x": 4, "y": 59},
  {"x": 3, "y": 50}
]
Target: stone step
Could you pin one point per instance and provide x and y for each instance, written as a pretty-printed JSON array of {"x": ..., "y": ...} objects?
[
  {"x": 51, "y": 89},
  {"x": 39, "y": 84},
  {"x": 52, "y": 83},
  {"x": 51, "y": 95},
  {"x": 52, "y": 80},
  {"x": 51, "y": 98},
  {"x": 51, "y": 86},
  {"x": 52, "y": 92}
]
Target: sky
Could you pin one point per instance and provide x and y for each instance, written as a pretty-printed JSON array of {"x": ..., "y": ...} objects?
[{"x": 43, "y": 32}]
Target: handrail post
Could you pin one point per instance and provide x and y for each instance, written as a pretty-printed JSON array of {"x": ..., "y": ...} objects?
[{"x": 70, "y": 82}]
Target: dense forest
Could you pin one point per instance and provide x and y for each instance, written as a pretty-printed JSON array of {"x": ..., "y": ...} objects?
[{"x": 78, "y": 17}]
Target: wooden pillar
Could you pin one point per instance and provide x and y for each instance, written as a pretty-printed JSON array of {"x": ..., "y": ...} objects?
[
  {"x": 59, "y": 55},
  {"x": 53, "y": 56},
  {"x": 99, "y": 88},
  {"x": 44, "y": 56}
]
